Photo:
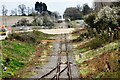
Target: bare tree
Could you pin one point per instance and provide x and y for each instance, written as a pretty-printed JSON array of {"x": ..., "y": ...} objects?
[
  {"x": 28, "y": 10},
  {"x": 4, "y": 10},
  {"x": 32, "y": 12},
  {"x": 15, "y": 10},
  {"x": 4, "y": 13},
  {"x": 12, "y": 12},
  {"x": 79, "y": 8},
  {"x": 22, "y": 9}
]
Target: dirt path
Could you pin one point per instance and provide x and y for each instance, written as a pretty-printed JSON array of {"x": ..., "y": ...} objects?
[{"x": 53, "y": 62}]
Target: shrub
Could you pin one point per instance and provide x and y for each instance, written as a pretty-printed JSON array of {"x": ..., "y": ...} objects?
[
  {"x": 99, "y": 41},
  {"x": 104, "y": 37},
  {"x": 89, "y": 19},
  {"x": 107, "y": 17},
  {"x": 95, "y": 43},
  {"x": 14, "y": 36},
  {"x": 26, "y": 37}
]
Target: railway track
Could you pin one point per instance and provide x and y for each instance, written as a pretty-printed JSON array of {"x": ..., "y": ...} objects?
[{"x": 58, "y": 69}]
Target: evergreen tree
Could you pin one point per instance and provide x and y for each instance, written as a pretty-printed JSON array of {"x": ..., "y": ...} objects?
[
  {"x": 44, "y": 7},
  {"x": 86, "y": 9},
  {"x": 40, "y": 7}
]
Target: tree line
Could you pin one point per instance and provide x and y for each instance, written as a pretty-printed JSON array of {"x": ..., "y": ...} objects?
[
  {"x": 41, "y": 16},
  {"x": 104, "y": 25},
  {"x": 77, "y": 12},
  {"x": 22, "y": 10}
]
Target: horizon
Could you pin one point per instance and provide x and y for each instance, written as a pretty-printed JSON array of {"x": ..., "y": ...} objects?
[{"x": 52, "y": 5}]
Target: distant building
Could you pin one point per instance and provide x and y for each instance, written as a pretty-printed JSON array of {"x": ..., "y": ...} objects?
[{"x": 99, "y": 4}]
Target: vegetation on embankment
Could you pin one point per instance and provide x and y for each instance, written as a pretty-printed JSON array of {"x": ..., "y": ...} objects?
[
  {"x": 15, "y": 55},
  {"x": 97, "y": 57},
  {"x": 31, "y": 37},
  {"x": 98, "y": 50},
  {"x": 101, "y": 62},
  {"x": 102, "y": 66},
  {"x": 19, "y": 51}
]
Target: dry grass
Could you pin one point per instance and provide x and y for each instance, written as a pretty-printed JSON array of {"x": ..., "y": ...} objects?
[{"x": 106, "y": 64}]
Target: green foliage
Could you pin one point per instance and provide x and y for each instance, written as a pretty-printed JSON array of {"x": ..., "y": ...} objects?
[
  {"x": 47, "y": 22},
  {"x": 86, "y": 9},
  {"x": 40, "y": 7},
  {"x": 18, "y": 50},
  {"x": 108, "y": 75},
  {"x": 90, "y": 54},
  {"x": 89, "y": 19},
  {"x": 118, "y": 21},
  {"x": 107, "y": 17},
  {"x": 25, "y": 37},
  {"x": 85, "y": 71},
  {"x": 95, "y": 43},
  {"x": 30, "y": 37},
  {"x": 22, "y": 22},
  {"x": 41, "y": 36},
  {"x": 44, "y": 21},
  {"x": 18, "y": 53},
  {"x": 99, "y": 41},
  {"x": 116, "y": 4},
  {"x": 103, "y": 25},
  {"x": 72, "y": 13},
  {"x": 36, "y": 22}
]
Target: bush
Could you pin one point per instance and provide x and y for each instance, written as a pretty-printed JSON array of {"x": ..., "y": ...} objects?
[
  {"x": 107, "y": 17},
  {"x": 104, "y": 37},
  {"x": 47, "y": 22},
  {"x": 95, "y": 43},
  {"x": 99, "y": 41},
  {"x": 89, "y": 19},
  {"x": 26, "y": 37},
  {"x": 13, "y": 36}
]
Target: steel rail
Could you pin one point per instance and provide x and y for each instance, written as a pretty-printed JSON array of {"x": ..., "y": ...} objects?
[
  {"x": 60, "y": 72},
  {"x": 68, "y": 67},
  {"x": 49, "y": 72},
  {"x": 68, "y": 60}
]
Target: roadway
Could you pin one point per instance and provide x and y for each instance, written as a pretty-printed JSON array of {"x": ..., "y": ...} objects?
[
  {"x": 51, "y": 31},
  {"x": 47, "y": 31}
]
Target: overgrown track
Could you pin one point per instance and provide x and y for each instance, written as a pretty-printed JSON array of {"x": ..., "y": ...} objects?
[{"x": 57, "y": 68}]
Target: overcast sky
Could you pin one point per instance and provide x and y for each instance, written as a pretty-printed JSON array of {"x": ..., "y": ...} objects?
[{"x": 53, "y": 5}]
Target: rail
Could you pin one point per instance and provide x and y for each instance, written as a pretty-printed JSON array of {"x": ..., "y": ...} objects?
[{"x": 58, "y": 67}]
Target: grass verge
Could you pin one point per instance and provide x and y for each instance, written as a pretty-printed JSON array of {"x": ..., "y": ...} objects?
[{"x": 20, "y": 52}]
